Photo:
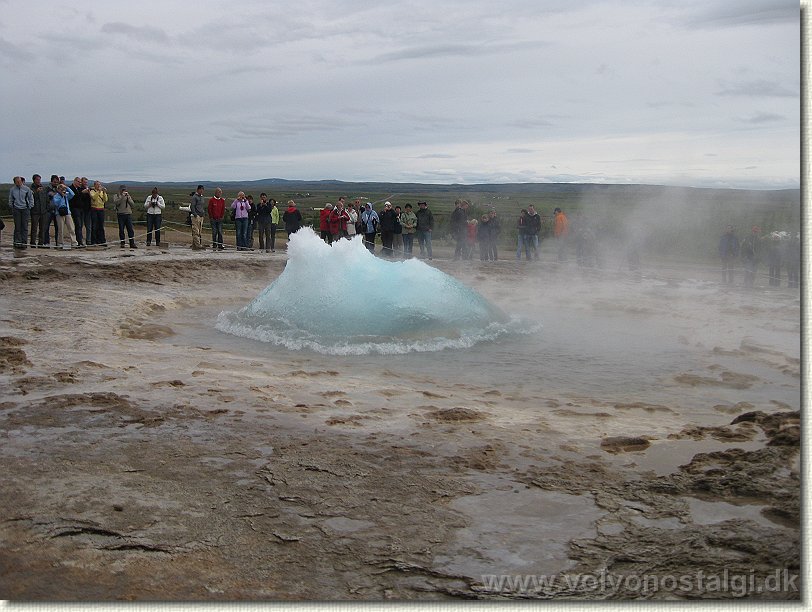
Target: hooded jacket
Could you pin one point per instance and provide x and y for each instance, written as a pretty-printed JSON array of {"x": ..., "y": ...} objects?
[{"x": 292, "y": 219}]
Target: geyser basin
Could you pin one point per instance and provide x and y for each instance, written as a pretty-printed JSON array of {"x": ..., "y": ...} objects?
[{"x": 341, "y": 299}]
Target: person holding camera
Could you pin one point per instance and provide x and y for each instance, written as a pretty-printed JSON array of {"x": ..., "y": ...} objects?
[
  {"x": 124, "y": 214},
  {"x": 154, "y": 205}
]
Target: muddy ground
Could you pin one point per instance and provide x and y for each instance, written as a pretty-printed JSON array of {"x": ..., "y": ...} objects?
[{"x": 140, "y": 465}]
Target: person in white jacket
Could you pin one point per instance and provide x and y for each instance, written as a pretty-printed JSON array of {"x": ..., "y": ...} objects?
[{"x": 154, "y": 205}]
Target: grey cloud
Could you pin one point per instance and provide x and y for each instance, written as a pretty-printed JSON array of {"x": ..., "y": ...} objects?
[
  {"x": 732, "y": 13},
  {"x": 453, "y": 50},
  {"x": 140, "y": 33},
  {"x": 436, "y": 156},
  {"x": 761, "y": 87},
  {"x": 762, "y": 118},
  {"x": 14, "y": 53},
  {"x": 280, "y": 127},
  {"x": 540, "y": 121},
  {"x": 521, "y": 150}
]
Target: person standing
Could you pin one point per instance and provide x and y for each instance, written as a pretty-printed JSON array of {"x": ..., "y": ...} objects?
[
  {"x": 67, "y": 232},
  {"x": 76, "y": 215},
  {"x": 274, "y": 224},
  {"x": 52, "y": 213},
  {"x": 21, "y": 201},
  {"x": 459, "y": 225},
  {"x": 561, "y": 230},
  {"x": 483, "y": 231},
  {"x": 241, "y": 206},
  {"x": 728, "y": 252},
  {"x": 359, "y": 222},
  {"x": 124, "y": 215},
  {"x": 751, "y": 252},
  {"x": 370, "y": 220},
  {"x": 197, "y": 210},
  {"x": 39, "y": 213},
  {"x": 397, "y": 242},
  {"x": 533, "y": 229},
  {"x": 352, "y": 221},
  {"x": 425, "y": 225},
  {"x": 408, "y": 220},
  {"x": 81, "y": 207},
  {"x": 98, "y": 198},
  {"x": 774, "y": 253},
  {"x": 292, "y": 218},
  {"x": 339, "y": 221},
  {"x": 263, "y": 221},
  {"x": 216, "y": 210},
  {"x": 494, "y": 228},
  {"x": 523, "y": 238},
  {"x": 324, "y": 223},
  {"x": 154, "y": 205},
  {"x": 792, "y": 258},
  {"x": 387, "y": 221},
  {"x": 251, "y": 225}
]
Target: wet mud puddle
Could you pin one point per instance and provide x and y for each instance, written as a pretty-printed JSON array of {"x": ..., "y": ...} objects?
[{"x": 513, "y": 529}]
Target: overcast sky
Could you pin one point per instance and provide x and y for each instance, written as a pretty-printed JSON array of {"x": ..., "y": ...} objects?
[{"x": 680, "y": 92}]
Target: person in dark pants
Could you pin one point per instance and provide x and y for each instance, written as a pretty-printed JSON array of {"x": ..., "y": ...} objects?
[
  {"x": 263, "y": 222},
  {"x": 774, "y": 249},
  {"x": 728, "y": 252},
  {"x": 274, "y": 224},
  {"x": 388, "y": 219},
  {"x": 39, "y": 214},
  {"x": 21, "y": 201},
  {"x": 494, "y": 229},
  {"x": 425, "y": 225},
  {"x": 751, "y": 251},
  {"x": 371, "y": 220},
  {"x": 459, "y": 227},
  {"x": 124, "y": 215},
  {"x": 53, "y": 215},
  {"x": 792, "y": 258},
  {"x": 292, "y": 218}
]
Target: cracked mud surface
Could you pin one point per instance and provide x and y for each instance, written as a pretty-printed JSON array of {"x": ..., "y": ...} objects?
[{"x": 147, "y": 456}]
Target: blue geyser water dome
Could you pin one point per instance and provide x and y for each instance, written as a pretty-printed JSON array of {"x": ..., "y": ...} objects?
[{"x": 341, "y": 299}]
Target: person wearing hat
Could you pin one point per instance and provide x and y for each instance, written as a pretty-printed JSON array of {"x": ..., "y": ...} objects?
[
  {"x": 425, "y": 224},
  {"x": 124, "y": 214},
  {"x": 750, "y": 252}
]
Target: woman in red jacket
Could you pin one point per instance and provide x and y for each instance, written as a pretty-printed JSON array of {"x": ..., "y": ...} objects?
[
  {"x": 217, "y": 210},
  {"x": 324, "y": 223}
]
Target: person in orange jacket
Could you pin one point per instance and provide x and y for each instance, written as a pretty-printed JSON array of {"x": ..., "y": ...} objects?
[{"x": 561, "y": 229}]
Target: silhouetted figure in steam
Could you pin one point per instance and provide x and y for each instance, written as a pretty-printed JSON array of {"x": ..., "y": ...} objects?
[
  {"x": 774, "y": 254},
  {"x": 792, "y": 258},
  {"x": 728, "y": 251},
  {"x": 751, "y": 253}
]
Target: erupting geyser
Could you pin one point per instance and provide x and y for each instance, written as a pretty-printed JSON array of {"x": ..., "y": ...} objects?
[{"x": 341, "y": 299}]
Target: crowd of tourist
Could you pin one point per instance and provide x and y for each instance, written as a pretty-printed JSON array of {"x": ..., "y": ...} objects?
[
  {"x": 779, "y": 249},
  {"x": 76, "y": 211}
]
